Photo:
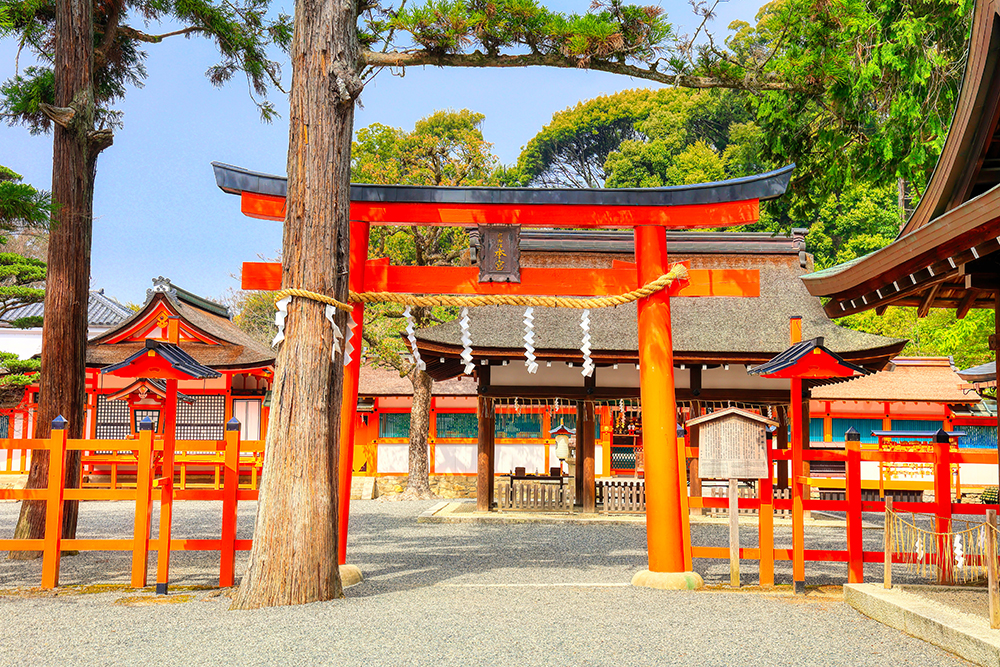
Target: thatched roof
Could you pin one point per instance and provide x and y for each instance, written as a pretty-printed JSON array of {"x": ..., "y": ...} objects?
[{"x": 705, "y": 329}]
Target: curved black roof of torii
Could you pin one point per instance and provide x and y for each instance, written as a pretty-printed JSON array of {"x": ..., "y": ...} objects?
[{"x": 763, "y": 187}]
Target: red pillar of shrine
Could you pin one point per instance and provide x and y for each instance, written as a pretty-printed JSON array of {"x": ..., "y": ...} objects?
[
  {"x": 666, "y": 538},
  {"x": 798, "y": 489},
  {"x": 349, "y": 402}
]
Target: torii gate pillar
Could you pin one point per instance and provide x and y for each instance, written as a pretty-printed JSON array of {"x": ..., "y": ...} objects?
[
  {"x": 665, "y": 534},
  {"x": 360, "y": 232}
]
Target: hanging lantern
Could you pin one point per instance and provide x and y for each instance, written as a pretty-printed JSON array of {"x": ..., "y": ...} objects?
[{"x": 562, "y": 435}]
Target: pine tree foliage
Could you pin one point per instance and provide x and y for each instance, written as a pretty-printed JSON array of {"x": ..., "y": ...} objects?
[
  {"x": 21, "y": 205},
  {"x": 242, "y": 31}
]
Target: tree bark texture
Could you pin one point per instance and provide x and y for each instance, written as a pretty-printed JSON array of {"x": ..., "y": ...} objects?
[
  {"x": 294, "y": 554},
  {"x": 62, "y": 378},
  {"x": 418, "y": 478}
]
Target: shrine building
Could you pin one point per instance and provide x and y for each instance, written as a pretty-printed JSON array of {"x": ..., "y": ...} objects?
[{"x": 205, "y": 331}]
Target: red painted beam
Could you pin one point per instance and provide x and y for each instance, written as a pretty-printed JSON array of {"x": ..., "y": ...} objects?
[
  {"x": 465, "y": 280},
  {"x": 728, "y": 214},
  {"x": 381, "y": 277}
]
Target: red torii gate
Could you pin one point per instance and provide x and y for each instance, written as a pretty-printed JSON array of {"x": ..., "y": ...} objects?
[{"x": 649, "y": 211}]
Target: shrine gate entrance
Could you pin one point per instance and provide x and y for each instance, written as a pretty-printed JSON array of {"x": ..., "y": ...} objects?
[{"x": 648, "y": 211}]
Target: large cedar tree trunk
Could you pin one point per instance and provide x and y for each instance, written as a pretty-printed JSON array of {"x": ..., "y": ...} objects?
[
  {"x": 76, "y": 146},
  {"x": 418, "y": 480},
  {"x": 294, "y": 554}
]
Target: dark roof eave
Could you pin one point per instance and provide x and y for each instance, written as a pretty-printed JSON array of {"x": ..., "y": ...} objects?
[
  {"x": 172, "y": 354},
  {"x": 872, "y": 359},
  {"x": 770, "y": 185}
]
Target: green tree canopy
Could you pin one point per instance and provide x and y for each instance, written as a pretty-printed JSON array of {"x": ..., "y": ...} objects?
[
  {"x": 445, "y": 148},
  {"x": 849, "y": 91},
  {"x": 940, "y": 334},
  {"x": 20, "y": 204},
  {"x": 878, "y": 84}
]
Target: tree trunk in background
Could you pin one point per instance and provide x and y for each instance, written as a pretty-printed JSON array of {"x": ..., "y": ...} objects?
[
  {"x": 75, "y": 148},
  {"x": 294, "y": 554},
  {"x": 418, "y": 479}
]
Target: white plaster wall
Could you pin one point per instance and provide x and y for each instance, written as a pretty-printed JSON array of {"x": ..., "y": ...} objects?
[
  {"x": 508, "y": 457},
  {"x": 627, "y": 375},
  {"x": 736, "y": 378},
  {"x": 26, "y": 343},
  {"x": 455, "y": 458},
  {"x": 977, "y": 474},
  {"x": 515, "y": 374},
  {"x": 394, "y": 458}
]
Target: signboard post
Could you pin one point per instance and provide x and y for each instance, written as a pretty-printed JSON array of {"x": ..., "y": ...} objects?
[{"x": 733, "y": 446}]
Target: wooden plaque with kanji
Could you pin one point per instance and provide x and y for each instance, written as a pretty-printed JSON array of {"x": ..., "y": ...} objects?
[{"x": 732, "y": 444}]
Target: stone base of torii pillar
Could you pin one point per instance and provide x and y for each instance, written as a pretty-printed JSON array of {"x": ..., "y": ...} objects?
[{"x": 669, "y": 581}]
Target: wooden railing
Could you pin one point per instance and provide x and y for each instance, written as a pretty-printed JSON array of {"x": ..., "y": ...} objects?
[
  {"x": 154, "y": 481},
  {"x": 543, "y": 494},
  {"x": 623, "y": 496},
  {"x": 940, "y": 457}
]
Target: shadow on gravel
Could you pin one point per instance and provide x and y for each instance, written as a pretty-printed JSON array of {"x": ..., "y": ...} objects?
[{"x": 397, "y": 554}]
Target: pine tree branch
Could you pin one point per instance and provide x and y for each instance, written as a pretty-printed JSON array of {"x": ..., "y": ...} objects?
[
  {"x": 110, "y": 32},
  {"x": 156, "y": 39},
  {"x": 479, "y": 59}
]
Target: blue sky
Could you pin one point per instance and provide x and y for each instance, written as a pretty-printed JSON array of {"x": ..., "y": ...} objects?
[{"x": 157, "y": 210}]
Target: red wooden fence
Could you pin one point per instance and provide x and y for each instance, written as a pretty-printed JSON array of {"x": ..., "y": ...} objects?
[{"x": 151, "y": 484}]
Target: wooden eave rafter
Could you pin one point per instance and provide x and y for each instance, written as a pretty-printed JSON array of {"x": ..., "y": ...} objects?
[{"x": 899, "y": 281}]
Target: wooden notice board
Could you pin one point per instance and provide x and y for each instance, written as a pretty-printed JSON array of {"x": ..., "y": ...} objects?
[{"x": 732, "y": 445}]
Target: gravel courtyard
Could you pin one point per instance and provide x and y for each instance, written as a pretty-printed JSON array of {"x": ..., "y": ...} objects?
[{"x": 444, "y": 594}]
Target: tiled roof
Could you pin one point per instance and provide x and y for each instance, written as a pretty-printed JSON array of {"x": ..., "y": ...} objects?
[
  {"x": 915, "y": 379},
  {"x": 178, "y": 359},
  {"x": 102, "y": 310},
  {"x": 796, "y": 353}
]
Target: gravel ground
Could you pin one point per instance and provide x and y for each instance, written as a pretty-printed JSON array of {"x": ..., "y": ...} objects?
[{"x": 447, "y": 594}]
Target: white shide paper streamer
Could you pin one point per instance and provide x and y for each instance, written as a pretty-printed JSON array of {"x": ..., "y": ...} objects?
[
  {"x": 463, "y": 322},
  {"x": 349, "y": 343},
  {"x": 279, "y": 319},
  {"x": 529, "y": 340},
  {"x": 338, "y": 335},
  {"x": 588, "y": 363},
  {"x": 410, "y": 328}
]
